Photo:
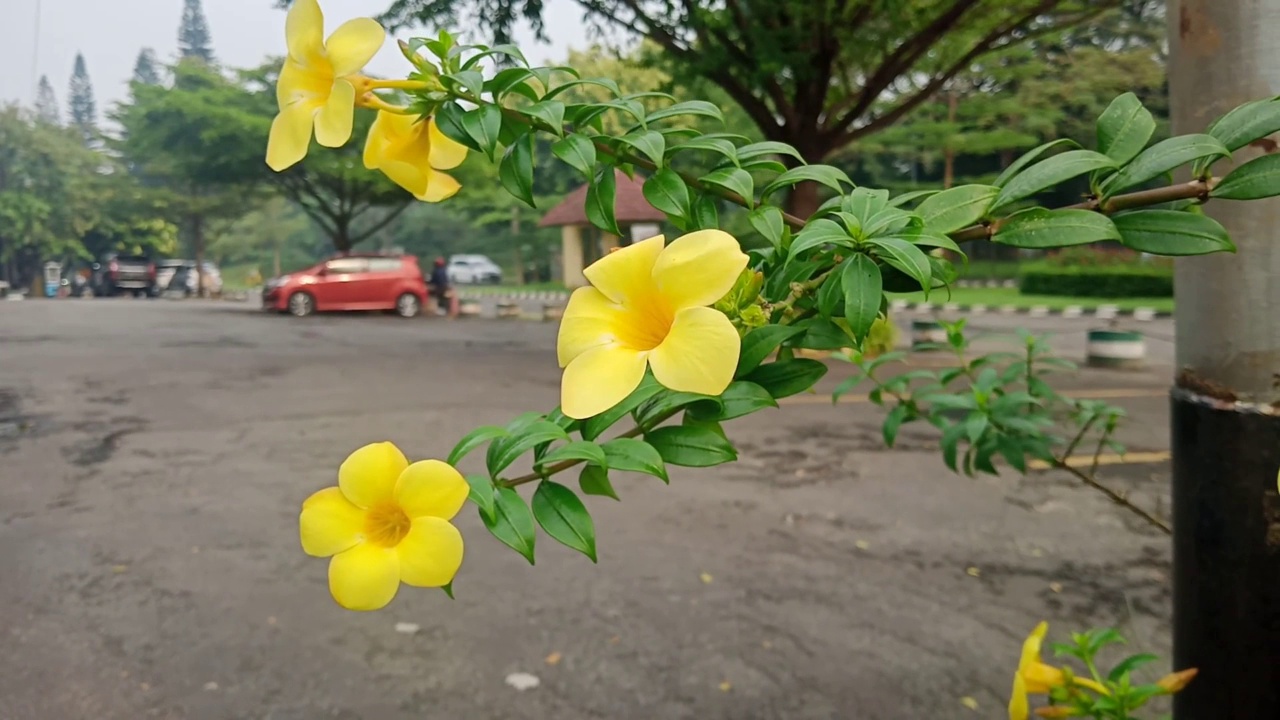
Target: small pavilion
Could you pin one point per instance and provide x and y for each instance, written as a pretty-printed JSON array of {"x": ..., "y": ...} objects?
[{"x": 582, "y": 243}]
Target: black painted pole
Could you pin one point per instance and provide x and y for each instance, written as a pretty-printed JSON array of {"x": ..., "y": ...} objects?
[{"x": 1226, "y": 403}]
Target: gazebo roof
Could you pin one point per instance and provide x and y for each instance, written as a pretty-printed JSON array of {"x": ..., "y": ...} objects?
[{"x": 629, "y": 205}]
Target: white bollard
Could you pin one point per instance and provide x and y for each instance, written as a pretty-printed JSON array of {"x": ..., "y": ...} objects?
[
  {"x": 508, "y": 310},
  {"x": 1144, "y": 314},
  {"x": 552, "y": 312},
  {"x": 1039, "y": 311},
  {"x": 1106, "y": 312},
  {"x": 469, "y": 307},
  {"x": 1115, "y": 349},
  {"x": 978, "y": 309},
  {"x": 1072, "y": 311},
  {"x": 1008, "y": 309},
  {"x": 950, "y": 307}
]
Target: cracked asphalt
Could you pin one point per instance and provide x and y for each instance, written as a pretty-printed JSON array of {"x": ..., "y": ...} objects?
[{"x": 153, "y": 456}]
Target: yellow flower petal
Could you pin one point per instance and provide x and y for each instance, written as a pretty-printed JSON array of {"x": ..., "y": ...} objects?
[
  {"x": 405, "y": 175},
  {"x": 375, "y": 143},
  {"x": 365, "y": 577},
  {"x": 298, "y": 83},
  {"x": 333, "y": 122},
  {"x": 431, "y": 488},
  {"x": 700, "y": 353},
  {"x": 1031, "y": 646},
  {"x": 431, "y": 553},
  {"x": 599, "y": 379},
  {"x": 698, "y": 269},
  {"x": 1018, "y": 707},
  {"x": 354, "y": 44},
  {"x": 627, "y": 273},
  {"x": 329, "y": 523},
  {"x": 304, "y": 31},
  {"x": 440, "y": 186},
  {"x": 445, "y": 153},
  {"x": 368, "y": 475},
  {"x": 290, "y": 136},
  {"x": 588, "y": 322},
  {"x": 1041, "y": 678}
]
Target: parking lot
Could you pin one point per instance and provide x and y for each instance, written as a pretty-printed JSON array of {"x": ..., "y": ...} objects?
[{"x": 153, "y": 456}]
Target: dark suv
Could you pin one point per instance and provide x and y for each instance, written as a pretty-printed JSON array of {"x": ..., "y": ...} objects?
[{"x": 118, "y": 274}]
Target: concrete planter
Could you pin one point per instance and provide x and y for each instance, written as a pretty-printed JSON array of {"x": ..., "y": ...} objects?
[
  {"x": 926, "y": 332},
  {"x": 552, "y": 312},
  {"x": 469, "y": 307},
  {"x": 508, "y": 310},
  {"x": 1115, "y": 349}
]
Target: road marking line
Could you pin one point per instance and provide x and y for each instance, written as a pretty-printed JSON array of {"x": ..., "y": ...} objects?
[
  {"x": 1133, "y": 458},
  {"x": 1099, "y": 394}
]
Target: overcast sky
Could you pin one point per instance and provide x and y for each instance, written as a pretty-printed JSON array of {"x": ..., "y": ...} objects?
[{"x": 111, "y": 32}]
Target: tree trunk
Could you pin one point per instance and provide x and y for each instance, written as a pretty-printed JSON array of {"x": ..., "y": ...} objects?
[
  {"x": 275, "y": 260},
  {"x": 803, "y": 200},
  {"x": 1225, "y": 432},
  {"x": 949, "y": 151},
  {"x": 515, "y": 235},
  {"x": 197, "y": 239}
]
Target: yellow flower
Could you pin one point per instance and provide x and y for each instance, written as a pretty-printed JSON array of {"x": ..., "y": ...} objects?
[
  {"x": 315, "y": 87},
  {"x": 410, "y": 151},
  {"x": 385, "y": 523},
  {"x": 1175, "y": 682},
  {"x": 1035, "y": 677},
  {"x": 647, "y": 307}
]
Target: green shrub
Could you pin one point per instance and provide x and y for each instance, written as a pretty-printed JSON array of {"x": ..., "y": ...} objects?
[{"x": 1112, "y": 281}]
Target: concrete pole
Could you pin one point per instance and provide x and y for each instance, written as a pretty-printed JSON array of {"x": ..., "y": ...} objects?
[{"x": 1226, "y": 405}]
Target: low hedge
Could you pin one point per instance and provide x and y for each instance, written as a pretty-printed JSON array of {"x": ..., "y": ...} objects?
[{"x": 1112, "y": 281}]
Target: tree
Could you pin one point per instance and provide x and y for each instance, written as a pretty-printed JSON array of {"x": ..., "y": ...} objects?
[
  {"x": 816, "y": 75},
  {"x": 81, "y": 107},
  {"x": 194, "y": 40},
  {"x": 145, "y": 71},
  {"x": 47, "y": 103}
]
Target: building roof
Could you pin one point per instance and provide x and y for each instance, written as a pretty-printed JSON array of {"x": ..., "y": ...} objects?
[{"x": 629, "y": 205}]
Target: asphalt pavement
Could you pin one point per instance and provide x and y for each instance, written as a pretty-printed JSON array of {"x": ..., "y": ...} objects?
[{"x": 153, "y": 456}]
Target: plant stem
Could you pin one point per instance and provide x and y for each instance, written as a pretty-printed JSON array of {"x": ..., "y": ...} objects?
[
  {"x": 550, "y": 470},
  {"x": 1117, "y": 498}
]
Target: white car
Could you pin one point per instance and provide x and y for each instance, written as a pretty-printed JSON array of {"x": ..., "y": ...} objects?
[{"x": 473, "y": 269}]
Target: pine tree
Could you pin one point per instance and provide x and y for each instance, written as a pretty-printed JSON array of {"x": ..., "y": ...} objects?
[
  {"x": 47, "y": 103},
  {"x": 145, "y": 71},
  {"x": 80, "y": 105},
  {"x": 193, "y": 34}
]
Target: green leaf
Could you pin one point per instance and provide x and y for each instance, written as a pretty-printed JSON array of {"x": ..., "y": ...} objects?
[
  {"x": 1163, "y": 157},
  {"x": 550, "y": 112},
  {"x": 508, "y": 50},
  {"x": 818, "y": 233},
  {"x": 768, "y": 147},
  {"x": 832, "y": 177},
  {"x": 471, "y": 80},
  {"x": 758, "y": 165},
  {"x": 666, "y": 191},
  {"x": 1011, "y": 450},
  {"x": 904, "y": 198},
  {"x": 705, "y": 216},
  {"x": 600, "y": 199},
  {"x": 760, "y": 342},
  {"x": 449, "y": 120},
  {"x": 975, "y": 425},
  {"x": 863, "y": 203},
  {"x": 739, "y": 399},
  {"x": 1170, "y": 232},
  {"x": 890, "y": 221},
  {"x": 515, "y": 172},
  {"x": 506, "y": 80},
  {"x": 767, "y": 220},
  {"x": 665, "y": 403},
  {"x": 735, "y": 180},
  {"x": 473, "y": 440},
  {"x": 576, "y": 151},
  {"x": 576, "y": 450},
  {"x": 830, "y": 295},
  {"x": 1124, "y": 128},
  {"x": 823, "y": 334},
  {"x": 483, "y": 125},
  {"x": 938, "y": 241},
  {"x": 649, "y": 143},
  {"x": 1249, "y": 122},
  {"x": 863, "y": 290},
  {"x": 562, "y": 515},
  {"x": 605, "y": 83},
  {"x": 956, "y": 208},
  {"x": 632, "y": 455},
  {"x": 1258, "y": 178},
  {"x": 448, "y": 589},
  {"x": 906, "y": 257},
  {"x": 691, "y": 107},
  {"x": 892, "y": 422},
  {"x": 481, "y": 493},
  {"x": 512, "y": 523},
  {"x": 691, "y": 445},
  {"x": 504, "y": 451},
  {"x": 594, "y": 480},
  {"x": 712, "y": 144},
  {"x": 1050, "y": 173},
  {"x": 950, "y": 440},
  {"x": 593, "y": 427},
  {"x": 1029, "y": 157},
  {"x": 1037, "y": 228},
  {"x": 788, "y": 377},
  {"x": 1129, "y": 664}
]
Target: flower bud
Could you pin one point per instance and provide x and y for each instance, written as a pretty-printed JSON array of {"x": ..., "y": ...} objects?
[
  {"x": 1055, "y": 711},
  {"x": 1173, "y": 682}
]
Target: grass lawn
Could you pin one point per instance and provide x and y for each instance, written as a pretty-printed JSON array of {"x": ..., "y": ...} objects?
[{"x": 995, "y": 297}]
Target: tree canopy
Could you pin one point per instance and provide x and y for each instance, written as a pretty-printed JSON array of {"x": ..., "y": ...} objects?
[
  {"x": 194, "y": 39},
  {"x": 81, "y": 108}
]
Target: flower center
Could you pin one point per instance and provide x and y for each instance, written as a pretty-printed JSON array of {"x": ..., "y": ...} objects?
[
  {"x": 646, "y": 324},
  {"x": 386, "y": 525}
]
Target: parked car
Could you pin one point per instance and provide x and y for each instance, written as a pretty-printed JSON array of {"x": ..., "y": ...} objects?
[
  {"x": 350, "y": 282},
  {"x": 118, "y": 273},
  {"x": 180, "y": 276},
  {"x": 470, "y": 269}
]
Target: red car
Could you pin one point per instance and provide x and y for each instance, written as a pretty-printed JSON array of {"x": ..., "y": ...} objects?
[{"x": 350, "y": 282}]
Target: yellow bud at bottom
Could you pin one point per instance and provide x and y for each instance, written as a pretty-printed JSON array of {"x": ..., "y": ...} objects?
[{"x": 1174, "y": 682}]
